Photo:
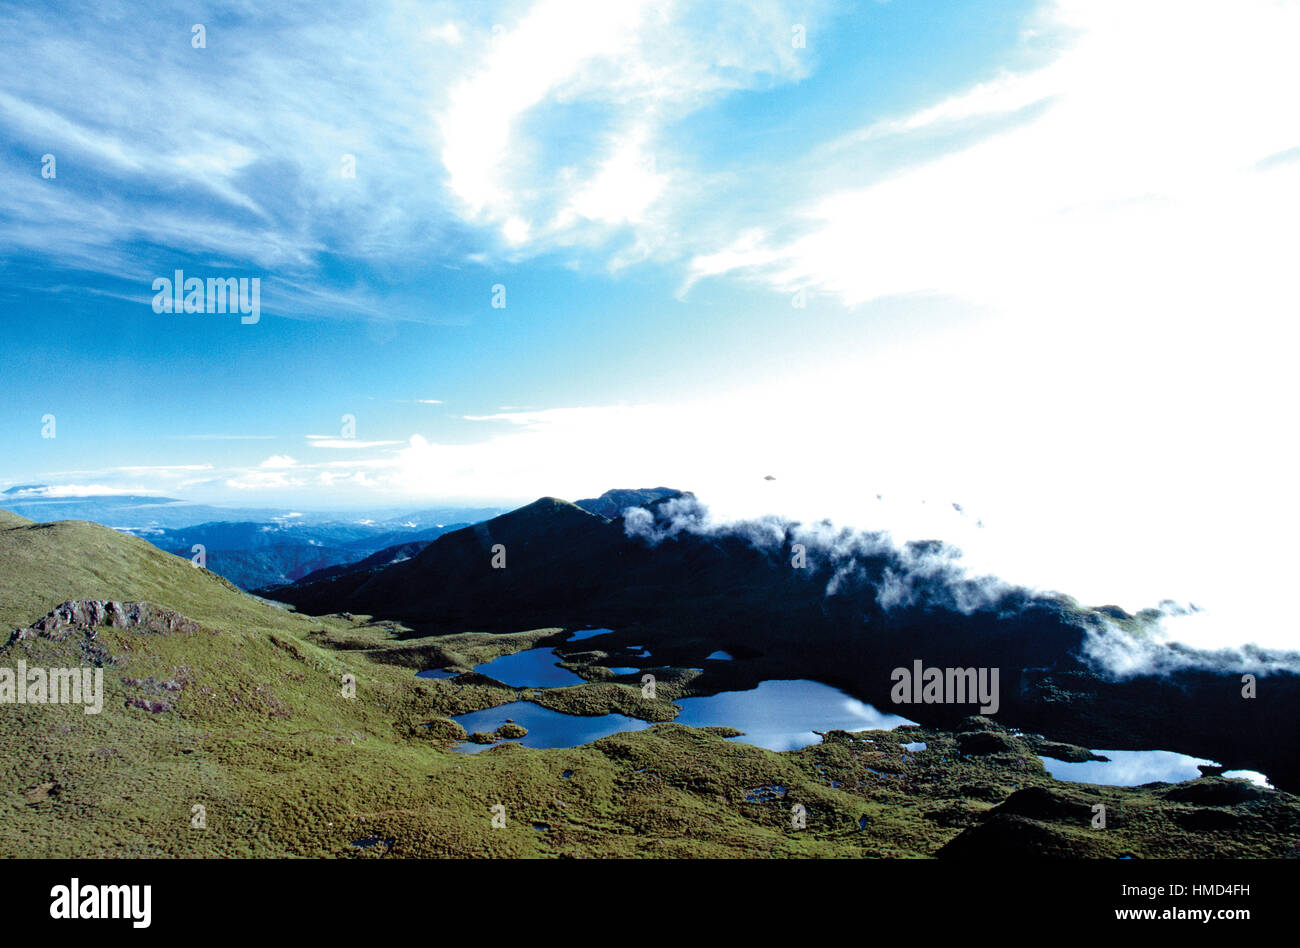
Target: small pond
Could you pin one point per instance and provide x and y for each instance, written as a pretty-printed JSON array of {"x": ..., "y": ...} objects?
[
  {"x": 546, "y": 728},
  {"x": 1129, "y": 768},
  {"x": 534, "y": 668},
  {"x": 782, "y": 715}
]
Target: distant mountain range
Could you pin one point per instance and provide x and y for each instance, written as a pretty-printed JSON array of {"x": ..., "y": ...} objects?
[
  {"x": 251, "y": 547},
  {"x": 610, "y": 504},
  {"x": 141, "y": 513},
  {"x": 251, "y": 555},
  {"x": 262, "y": 547}
]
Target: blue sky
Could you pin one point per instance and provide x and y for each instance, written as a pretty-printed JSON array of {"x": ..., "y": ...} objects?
[
  {"x": 376, "y": 290},
  {"x": 1033, "y": 257}
]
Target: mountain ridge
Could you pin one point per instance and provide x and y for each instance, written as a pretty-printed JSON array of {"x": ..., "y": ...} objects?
[{"x": 684, "y": 594}]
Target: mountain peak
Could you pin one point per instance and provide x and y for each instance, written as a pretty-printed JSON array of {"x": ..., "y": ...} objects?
[
  {"x": 612, "y": 503},
  {"x": 543, "y": 509},
  {"x": 23, "y": 488}
]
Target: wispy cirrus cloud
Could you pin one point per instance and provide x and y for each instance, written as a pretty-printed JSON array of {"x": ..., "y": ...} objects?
[
  {"x": 334, "y": 442},
  {"x": 380, "y": 135},
  {"x": 224, "y": 437}
]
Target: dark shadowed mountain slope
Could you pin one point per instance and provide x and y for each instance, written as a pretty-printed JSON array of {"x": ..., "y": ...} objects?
[
  {"x": 388, "y": 556},
  {"x": 537, "y": 540}
]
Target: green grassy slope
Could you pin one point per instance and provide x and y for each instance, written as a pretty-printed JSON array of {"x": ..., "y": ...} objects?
[
  {"x": 8, "y": 520},
  {"x": 44, "y": 564}
]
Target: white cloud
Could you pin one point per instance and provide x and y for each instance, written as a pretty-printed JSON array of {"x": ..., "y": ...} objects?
[
  {"x": 258, "y": 480},
  {"x": 1139, "y": 172},
  {"x": 225, "y": 437},
  {"x": 549, "y": 46},
  {"x": 446, "y": 33},
  {"x": 162, "y": 468},
  {"x": 321, "y": 441},
  {"x": 623, "y": 189},
  {"x": 352, "y": 479},
  {"x": 79, "y": 490},
  {"x": 641, "y": 65}
]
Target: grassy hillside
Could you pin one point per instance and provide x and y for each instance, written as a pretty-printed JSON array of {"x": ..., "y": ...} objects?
[
  {"x": 44, "y": 564},
  {"x": 246, "y": 716}
]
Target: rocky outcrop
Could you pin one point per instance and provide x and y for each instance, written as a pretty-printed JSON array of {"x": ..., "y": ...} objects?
[
  {"x": 80, "y": 619},
  {"x": 81, "y": 614}
]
